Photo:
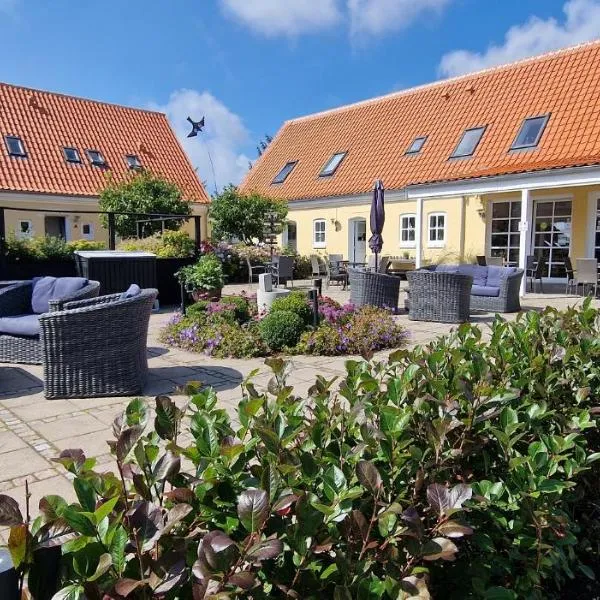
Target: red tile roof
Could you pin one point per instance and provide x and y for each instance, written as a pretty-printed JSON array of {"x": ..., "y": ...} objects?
[
  {"x": 376, "y": 133},
  {"x": 47, "y": 122}
]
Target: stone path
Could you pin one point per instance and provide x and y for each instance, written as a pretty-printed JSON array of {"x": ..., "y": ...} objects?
[{"x": 33, "y": 430}]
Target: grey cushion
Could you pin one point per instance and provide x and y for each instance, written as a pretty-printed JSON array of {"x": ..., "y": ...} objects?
[
  {"x": 53, "y": 288},
  {"x": 485, "y": 290},
  {"x": 446, "y": 268},
  {"x": 27, "y": 325},
  {"x": 132, "y": 291},
  {"x": 497, "y": 274},
  {"x": 478, "y": 273}
]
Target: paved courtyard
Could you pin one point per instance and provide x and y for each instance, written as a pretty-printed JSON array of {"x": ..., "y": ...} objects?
[{"x": 33, "y": 429}]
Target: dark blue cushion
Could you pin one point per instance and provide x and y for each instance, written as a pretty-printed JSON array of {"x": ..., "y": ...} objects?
[
  {"x": 497, "y": 274},
  {"x": 132, "y": 291},
  {"x": 485, "y": 290},
  {"x": 478, "y": 273},
  {"x": 27, "y": 325},
  {"x": 53, "y": 288}
]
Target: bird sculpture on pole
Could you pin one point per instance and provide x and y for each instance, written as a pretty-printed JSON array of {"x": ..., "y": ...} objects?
[{"x": 197, "y": 127}]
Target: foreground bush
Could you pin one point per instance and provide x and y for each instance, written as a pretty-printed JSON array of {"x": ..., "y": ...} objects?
[
  {"x": 46, "y": 248},
  {"x": 281, "y": 329},
  {"x": 465, "y": 469}
]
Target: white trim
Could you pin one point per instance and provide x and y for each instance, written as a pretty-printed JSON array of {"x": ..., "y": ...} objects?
[
  {"x": 419, "y": 228},
  {"x": 444, "y": 229},
  {"x": 24, "y": 235},
  {"x": 525, "y": 227},
  {"x": 315, "y": 243},
  {"x": 352, "y": 221},
  {"x": 407, "y": 244},
  {"x": 87, "y": 236},
  {"x": 592, "y": 208}
]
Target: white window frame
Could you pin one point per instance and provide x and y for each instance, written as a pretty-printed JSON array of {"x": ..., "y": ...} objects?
[
  {"x": 25, "y": 234},
  {"x": 87, "y": 236},
  {"x": 318, "y": 243},
  {"x": 437, "y": 243},
  {"x": 408, "y": 243}
]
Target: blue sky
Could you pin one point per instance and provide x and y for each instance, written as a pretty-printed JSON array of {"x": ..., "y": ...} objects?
[{"x": 248, "y": 65}]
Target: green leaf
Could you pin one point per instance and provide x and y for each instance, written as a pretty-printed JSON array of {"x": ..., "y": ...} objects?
[
  {"x": 341, "y": 592},
  {"x": 253, "y": 509},
  {"x": 105, "y": 509},
  {"x": 117, "y": 549},
  {"x": 52, "y": 506},
  {"x": 508, "y": 417},
  {"x": 71, "y": 592},
  {"x": 168, "y": 417},
  {"x": 498, "y": 593},
  {"x": 136, "y": 413},
  {"x": 85, "y": 493},
  {"x": 17, "y": 544},
  {"x": 78, "y": 521},
  {"x": 104, "y": 565}
]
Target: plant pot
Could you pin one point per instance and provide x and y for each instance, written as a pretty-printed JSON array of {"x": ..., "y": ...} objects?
[{"x": 213, "y": 295}]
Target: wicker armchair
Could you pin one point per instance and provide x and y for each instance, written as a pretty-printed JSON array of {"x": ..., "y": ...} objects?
[
  {"x": 376, "y": 289},
  {"x": 16, "y": 300},
  {"x": 97, "y": 347},
  {"x": 439, "y": 296}
]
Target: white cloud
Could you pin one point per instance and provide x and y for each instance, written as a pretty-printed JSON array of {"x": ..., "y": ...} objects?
[
  {"x": 379, "y": 16},
  {"x": 536, "y": 36},
  {"x": 284, "y": 17},
  {"x": 224, "y": 135}
]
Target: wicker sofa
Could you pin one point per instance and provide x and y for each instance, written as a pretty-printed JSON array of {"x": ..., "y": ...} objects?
[
  {"x": 376, "y": 289},
  {"x": 495, "y": 289},
  {"x": 19, "y": 319},
  {"x": 97, "y": 347},
  {"x": 439, "y": 296}
]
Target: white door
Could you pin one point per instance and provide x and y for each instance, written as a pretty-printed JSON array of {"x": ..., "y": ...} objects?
[{"x": 358, "y": 251}]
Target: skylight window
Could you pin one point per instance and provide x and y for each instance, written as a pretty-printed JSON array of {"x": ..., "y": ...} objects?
[
  {"x": 469, "y": 142},
  {"x": 14, "y": 145},
  {"x": 285, "y": 171},
  {"x": 71, "y": 155},
  {"x": 530, "y": 133},
  {"x": 332, "y": 164},
  {"x": 417, "y": 145},
  {"x": 96, "y": 158},
  {"x": 133, "y": 161}
]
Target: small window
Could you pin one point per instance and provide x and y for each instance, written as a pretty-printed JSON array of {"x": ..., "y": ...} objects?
[
  {"x": 319, "y": 233},
  {"x": 469, "y": 142},
  {"x": 437, "y": 230},
  {"x": 285, "y": 171},
  {"x": 133, "y": 161},
  {"x": 87, "y": 231},
  {"x": 96, "y": 158},
  {"x": 25, "y": 229},
  {"x": 71, "y": 155},
  {"x": 417, "y": 145},
  {"x": 332, "y": 164},
  {"x": 14, "y": 145},
  {"x": 408, "y": 224},
  {"x": 530, "y": 133}
]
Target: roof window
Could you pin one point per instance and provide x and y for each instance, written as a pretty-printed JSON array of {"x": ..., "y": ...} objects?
[
  {"x": 96, "y": 158},
  {"x": 417, "y": 145},
  {"x": 285, "y": 171},
  {"x": 469, "y": 142},
  {"x": 133, "y": 161},
  {"x": 530, "y": 133},
  {"x": 332, "y": 164},
  {"x": 14, "y": 145},
  {"x": 71, "y": 154}
]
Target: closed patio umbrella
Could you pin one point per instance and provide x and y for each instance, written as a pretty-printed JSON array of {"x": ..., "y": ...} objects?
[{"x": 377, "y": 220}]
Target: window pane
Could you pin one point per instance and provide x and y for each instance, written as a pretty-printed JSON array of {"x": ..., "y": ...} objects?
[
  {"x": 500, "y": 226},
  {"x": 499, "y": 240},
  {"x": 285, "y": 171},
  {"x": 500, "y": 209},
  {"x": 530, "y": 132},
  {"x": 469, "y": 142},
  {"x": 515, "y": 209},
  {"x": 514, "y": 224},
  {"x": 332, "y": 164},
  {"x": 416, "y": 145}
]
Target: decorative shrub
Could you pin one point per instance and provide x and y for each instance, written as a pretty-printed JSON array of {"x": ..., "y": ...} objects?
[
  {"x": 465, "y": 469},
  {"x": 46, "y": 247},
  {"x": 296, "y": 302},
  {"x": 333, "y": 312},
  {"x": 170, "y": 244},
  {"x": 281, "y": 329},
  {"x": 83, "y": 245},
  {"x": 205, "y": 274}
]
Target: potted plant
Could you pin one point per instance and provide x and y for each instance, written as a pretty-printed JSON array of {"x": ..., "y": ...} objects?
[{"x": 203, "y": 279}]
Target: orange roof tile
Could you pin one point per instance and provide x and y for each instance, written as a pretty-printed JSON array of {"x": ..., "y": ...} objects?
[
  {"x": 47, "y": 122},
  {"x": 377, "y": 132}
]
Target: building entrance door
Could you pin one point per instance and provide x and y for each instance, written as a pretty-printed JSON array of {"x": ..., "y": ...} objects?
[{"x": 55, "y": 227}]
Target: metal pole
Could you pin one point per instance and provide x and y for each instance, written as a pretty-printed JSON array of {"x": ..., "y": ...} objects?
[
  {"x": 112, "y": 240},
  {"x": 313, "y": 297},
  {"x": 197, "y": 231}
]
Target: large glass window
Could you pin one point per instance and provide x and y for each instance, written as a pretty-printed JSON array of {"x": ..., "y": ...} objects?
[
  {"x": 437, "y": 229},
  {"x": 552, "y": 234},
  {"x": 505, "y": 236},
  {"x": 530, "y": 133},
  {"x": 408, "y": 230},
  {"x": 597, "y": 239},
  {"x": 319, "y": 233}
]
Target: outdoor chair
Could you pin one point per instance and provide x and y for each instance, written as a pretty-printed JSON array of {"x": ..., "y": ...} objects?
[
  {"x": 318, "y": 270},
  {"x": 21, "y": 308},
  {"x": 335, "y": 273},
  {"x": 97, "y": 347},
  {"x": 375, "y": 289},
  {"x": 439, "y": 296},
  {"x": 570, "y": 273},
  {"x": 535, "y": 270},
  {"x": 282, "y": 270},
  {"x": 254, "y": 270},
  {"x": 382, "y": 266},
  {"x": 587, "y": 274}
]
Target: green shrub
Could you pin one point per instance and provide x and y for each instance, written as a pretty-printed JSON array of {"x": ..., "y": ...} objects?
[
  {"x": 296, "y": 302},
  {"x": 170, "y": 244},
  {"x": 197, "y": 309},
  {"x": 281, "y": 329},
  {"x": 205, "y": 274},
  {"x": 75, "y": 245},
  {"x": 241, "y": 307},
  {"x": 46, "y": 247}
]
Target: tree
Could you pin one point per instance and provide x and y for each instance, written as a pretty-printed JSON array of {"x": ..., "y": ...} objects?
[
  {"x": 142, "y": 193},
  {"x": 242, "y": 216},
  {"x": 263, "y": 144}
]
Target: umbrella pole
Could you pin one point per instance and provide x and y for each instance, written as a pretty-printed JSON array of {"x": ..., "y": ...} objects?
[{"x": 376, "y": 262}]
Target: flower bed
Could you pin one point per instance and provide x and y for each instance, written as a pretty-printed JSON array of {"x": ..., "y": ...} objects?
[{"x": 232, "y": 328}]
